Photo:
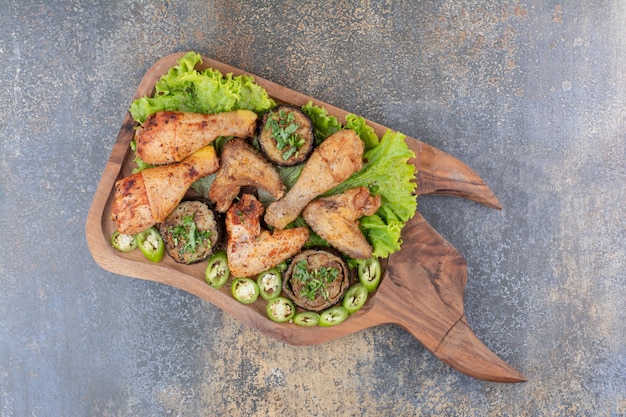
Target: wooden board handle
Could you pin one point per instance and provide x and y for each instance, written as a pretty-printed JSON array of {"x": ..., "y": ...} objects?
[
  {"x": 424, "y": 284},
  {"x": 423, "y": 292}
]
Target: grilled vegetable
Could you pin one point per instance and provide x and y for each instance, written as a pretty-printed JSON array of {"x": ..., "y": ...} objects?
[
  {"x": 191, "y": 231},
  {"x": 123, "y": 242},
  {"x": 217, "y": 272},
  {"x": 286, "y": 135},
  {"x": 369, "y": 271},
  {"x": 333, "y": 316},
  {"x": 316, "y": 279},
  {"x": 270, "y": 283},
  {"x": 307, "y": 319},
  {"x": 355, "y": 298},
  {"x": 151, "y": 244},
  {"x": 280, "y": 309},
  {"x": 245, "y": 290}
]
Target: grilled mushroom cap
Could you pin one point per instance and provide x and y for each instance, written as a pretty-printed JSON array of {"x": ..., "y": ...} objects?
[
  {"x": 191, "y": 231},
  {"x": 286, "y": 135},
  {"x": 316, "y": 279}
]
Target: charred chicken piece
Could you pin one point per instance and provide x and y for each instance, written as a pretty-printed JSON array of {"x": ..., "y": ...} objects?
[
  {"x": 147, "y": 197},
  {"x": 170, "y": 136},
  {"x": 242, "y": 165},
  {"x": 286, "y": 135},
  {"x": 316, "y": 279},
  {"x": 191, "y": 231},
  {"x": 331, "y": 163},
  {"x": 252, "y": 250},
  {"x": 335, "y": 218}
]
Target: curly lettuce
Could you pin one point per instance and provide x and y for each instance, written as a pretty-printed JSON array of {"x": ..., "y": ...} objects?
[
  {"x": 324, "y": 124},
  {"x": 386, "y": 172},
  {"x": 183, "y": 88}
]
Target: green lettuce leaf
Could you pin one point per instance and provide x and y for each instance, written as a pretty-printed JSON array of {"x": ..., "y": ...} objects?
[
  {"x": 184, "y": 88},
  {"x": 324, "y": 125},
  {"x": 386, "y": 172},
  {"x": 365, "y": 132}
]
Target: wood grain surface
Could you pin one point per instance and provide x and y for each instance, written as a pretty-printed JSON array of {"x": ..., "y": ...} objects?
[{"x": 423, "y": 286}]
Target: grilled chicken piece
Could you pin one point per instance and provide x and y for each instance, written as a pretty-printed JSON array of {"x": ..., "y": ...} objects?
[
  {"x": 242, "y": 165},
  {"x": 170, "y": 136},
  {"x": 335, "y": 218},
  {"x": 149, "y": 196},
  {"x": 251, "y": 250},
  {"x": 331, "y": 163}
]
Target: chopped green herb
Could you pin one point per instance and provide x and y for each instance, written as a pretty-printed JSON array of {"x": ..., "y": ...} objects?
[
  {"x": 315, "y": 282},
  {"x": 188, "y": 233},
  {"x": 284, "y": 133}
]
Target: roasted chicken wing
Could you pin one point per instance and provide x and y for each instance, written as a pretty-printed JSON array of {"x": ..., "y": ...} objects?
[
  {"x": 147, "y": 197},
  {"x": 170, "y": 136},
  {"x": 242, "y": 165},
  {"x": 335, "y": 218},
  {"x": 331, "y": 163},
  {"x": 251, "y": 250}
]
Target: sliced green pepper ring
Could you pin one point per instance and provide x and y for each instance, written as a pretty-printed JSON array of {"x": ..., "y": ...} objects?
[
  {"x": 369, "y": 273},
  {"x": 280, "y": 309},
  {"x": 355, "y": 298},
  {"x": 270, "y": 283},
  {"x": 333, "y": 316},
  {"x": 245, "y": 290},
  {"x": 151, "y": 244},
  {"x": 123, "y": 242},
  {"x": 307, "y": 319},
  {"x": 217, "y": 272}
]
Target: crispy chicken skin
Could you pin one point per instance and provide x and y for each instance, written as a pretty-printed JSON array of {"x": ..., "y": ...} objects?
[
  {"x": 147, "y": 197},
  {"x": 252, "y": 250},
  {"x": 335, "y": 218},
  {"x": 331, "y": 163},
  {"x": 242, "y": 165},
  {"x": 170, "y": 136}
]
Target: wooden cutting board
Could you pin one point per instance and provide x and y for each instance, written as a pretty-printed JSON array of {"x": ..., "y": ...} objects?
[{"x": 423, "y": 286}]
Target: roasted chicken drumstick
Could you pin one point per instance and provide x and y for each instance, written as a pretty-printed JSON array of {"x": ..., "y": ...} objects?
[
  {"x": 170, "y": 136},
  {"x": 331, "y": 163},
  {"x": 147, "y": 197}
]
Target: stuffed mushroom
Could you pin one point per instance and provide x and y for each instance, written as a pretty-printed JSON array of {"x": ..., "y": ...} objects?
[
  {"x": 286, "y": 135},
  {"x": 191, "y": 231},
  {"x": 316, "y": 279}
]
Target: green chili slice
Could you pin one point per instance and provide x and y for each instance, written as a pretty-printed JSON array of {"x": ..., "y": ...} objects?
[
  {"x": 369, "y": 271},
  {"x": 355, "y": 298},
  {"x": 151, "y": 244},
  {"x": 333, "y": 316},
  {"x": 280, "y": 309},
  {"x": 270, "y": 284},
  {"x": 217, "y": 272},
  {"x": 245, "y": 290},
  {"x": 123, "y": 242}
]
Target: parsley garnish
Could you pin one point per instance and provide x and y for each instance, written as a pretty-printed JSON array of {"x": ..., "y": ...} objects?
[
  {"x": 187, "y": 232},
  {"x": 284, "y": 133},
  {"x": 314, "y": 282}
]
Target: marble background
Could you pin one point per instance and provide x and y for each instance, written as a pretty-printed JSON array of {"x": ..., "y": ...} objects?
[{"x": 531, "y": 94}]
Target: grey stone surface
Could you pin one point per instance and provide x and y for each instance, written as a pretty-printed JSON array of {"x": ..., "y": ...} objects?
[{"x": 531, "y": 94}]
